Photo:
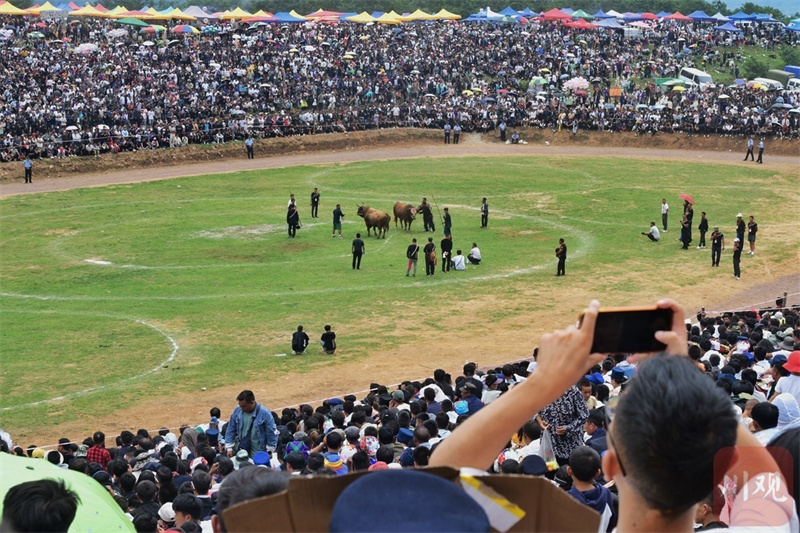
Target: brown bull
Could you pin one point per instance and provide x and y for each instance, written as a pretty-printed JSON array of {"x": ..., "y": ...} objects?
[
  {"x": 375, "y": 219},
  {"x": 407, "y": 214}
]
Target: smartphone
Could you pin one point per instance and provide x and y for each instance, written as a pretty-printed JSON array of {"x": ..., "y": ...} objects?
[{"x": 630, "y": 329}]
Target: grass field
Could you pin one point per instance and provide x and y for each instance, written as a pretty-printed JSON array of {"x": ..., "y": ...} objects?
[{"x": 112, "y": 294}]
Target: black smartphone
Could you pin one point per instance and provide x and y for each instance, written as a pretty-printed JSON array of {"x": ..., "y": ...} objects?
[{"x": 630, "y": 329}]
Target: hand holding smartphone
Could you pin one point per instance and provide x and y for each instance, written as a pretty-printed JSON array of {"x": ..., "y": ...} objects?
[{"x": 630, "y": 329}]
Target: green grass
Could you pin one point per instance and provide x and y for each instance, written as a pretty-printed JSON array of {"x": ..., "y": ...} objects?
[{"x": 207, "y": 261}]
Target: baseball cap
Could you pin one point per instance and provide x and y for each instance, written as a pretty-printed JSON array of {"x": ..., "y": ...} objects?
[
  {"x": 468, "y": 387},
  {"x": 398, "y": 396},
  {"x": 166, "y": 513}
]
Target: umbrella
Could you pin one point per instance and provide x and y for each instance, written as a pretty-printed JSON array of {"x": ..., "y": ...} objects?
[
  {"x": 538, "y": 80},
  {"x": 148, "y": 43},
  {"x": 430, "y": 95},
  {"x": 608, "y": 106},
  {"x": 132, "y": 22},
  {"x": 545, "y": 70},
  {"x": 467, "y": 93},
  {"x": 577, "y": 83},
  {"x": 346, "y": 56},
  {"x": 36, "y": 35},
  {"x": 97, "y": 511},
  {"x": 71, "y": 128},
  {"x": 185, "y": 28},
  {"x": 684, "y": 196},
  {"x": 723, "y": 97},
  {"x": 102, "y": 127},
  {"x": 679, "y": 89}
]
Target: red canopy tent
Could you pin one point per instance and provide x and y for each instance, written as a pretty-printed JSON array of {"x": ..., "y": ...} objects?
[
  {"x": 680, "y": 17},
  {"x": 324, "y": 14},
  {"x": 555, "y": 14},
  {"x": 649, "y": 16},
  {"x": 581, "y": 24},
  {"x": 101, "y": 7}
]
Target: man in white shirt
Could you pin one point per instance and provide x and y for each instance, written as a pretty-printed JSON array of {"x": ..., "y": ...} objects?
[
  {"x": 474, "y": 256},
  {"x": 664, "y": 213},
  {"x": 790, "y": 383},
  {"x": 458, "y": 261},
  {"x": 652, "y": 233}
]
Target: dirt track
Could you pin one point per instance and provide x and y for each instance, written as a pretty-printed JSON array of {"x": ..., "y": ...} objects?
[{"x": 152, "y": 412}]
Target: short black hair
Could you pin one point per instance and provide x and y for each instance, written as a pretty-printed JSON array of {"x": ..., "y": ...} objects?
[
  {"x": 584, "y": 463},
  {"x": 41, "y": 505},
  {"x": 532, "y": 430},
  {"x": 766, "y": 414},
  {"x": 660, "y": 434},
  {"x": 145, "y": 523},
  {"x": 201, "y": 482},
  {"x": 188, "y": 504},
  {"x": 246, "y": 396}
]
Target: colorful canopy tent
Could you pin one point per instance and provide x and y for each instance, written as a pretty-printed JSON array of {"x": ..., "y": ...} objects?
[
  {"x": 581, "y": 24},
  {"x": 177, "y": 14},
  {"x": 701, "y": 16},
  {"x": 43, "y": 8},
  {"x": 631, "y": 17},
  {"x": 288, "y": 18},
  {"x": 8, "y": 9},
  {"x": 101, "y": 7},
  {"x": 324, "y": 14},
  {"x": 613, "y": 13},
  {"x": 295, "y": 14},
  {"x": 741, "y": 16},
  {"x": 581, "y": 14},
  {"x": 728, "y": 27},
  {"x": 141, "y": 15},
  {"x": 361, "y": 18},
  {"x": 444, "y": 14},
  {"x": 679, "y": 17},
  {"x": 609, "y": 24},
  {"x": 648, "y": 16},
  {"x": 131, "y": 21},
  {"x": 417, "y": 15},
  {"x": 555, "y": 14},
  {"x": 236, "y": 14},
  {"x": 388, "y": 18},
  {"x": 97, "y": 510},
  {"x": 662, "y": 14},
  {"x": 720, "y": 17},
  {"x": 527, "y": 13},
  {"x": 510, "y": 12},
  {"x": 601, "y": 15},
  {"x": 116, "y": 11},
  {"x": 199, "y": 12},
  {"x": 89, "y": 11}
]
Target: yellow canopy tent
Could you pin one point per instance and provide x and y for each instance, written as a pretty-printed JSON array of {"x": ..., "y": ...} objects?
[
  {"x": 46, "y": 7},
  {"x": 89, "y": 11},
  {"x": 387, "y": 18},
  {"x": 262, "y": 13},
  {"x": 116, "y": 11},
  {"x": 297, "y": 15},
  {"x": 417, "y": 15},
  {"x": 178, "y": 15},
  {"x": 446, "y": 15},
  {"x": 236, "y": 14},
  {"x": 8, "y": 9},
  {"x": 361, "y": 18}
]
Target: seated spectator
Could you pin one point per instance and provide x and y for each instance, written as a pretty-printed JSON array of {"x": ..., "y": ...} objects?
[
  {"x": 584, "y": 468},
  {"x": 458, "y": 261},
  {"x": 187, "y": 508},
  {"x": 41, "y": 505},
  {"x": 474, "y": 255},
  {"x": 328, "y": 341},
  {"x": 652, "y": 233},
  {"x": 595, "y": 428},
  {"x": 299, "y": 341},
  {"x": 765, "y": 421}
]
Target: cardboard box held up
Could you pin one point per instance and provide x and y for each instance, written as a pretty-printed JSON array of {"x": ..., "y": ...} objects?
[{"x": 308, "y": 503}]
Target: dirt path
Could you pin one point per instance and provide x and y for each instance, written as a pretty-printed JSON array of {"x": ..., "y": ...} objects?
[{"x": 320, "y": 382}]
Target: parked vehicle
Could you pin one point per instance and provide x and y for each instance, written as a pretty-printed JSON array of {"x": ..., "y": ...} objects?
[{"x": 694, "y": 76}]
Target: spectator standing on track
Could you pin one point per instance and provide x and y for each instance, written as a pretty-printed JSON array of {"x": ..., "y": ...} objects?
[
  {"x": 28, "y": 165},
  {"x": 664, "y": 213},
  {"x": 251, "y": 427},
  {"x": 737, "y": 257},
  {"x": 248, "y": 143},
  {"x": 752, "y": 229},
  {"x": 484, "y": 213},
  {"x": 760, "y": 151},
  {"x": 749, "y": 153}
]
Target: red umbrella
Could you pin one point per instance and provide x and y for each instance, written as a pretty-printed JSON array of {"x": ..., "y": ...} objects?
[{"x": 687, "y": 198}]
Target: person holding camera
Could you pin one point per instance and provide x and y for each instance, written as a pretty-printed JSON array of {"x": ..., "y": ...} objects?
[{"x": 251, "y": 427}]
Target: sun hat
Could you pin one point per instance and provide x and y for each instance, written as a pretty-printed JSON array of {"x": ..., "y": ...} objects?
[{"x": 793, "y": 362}]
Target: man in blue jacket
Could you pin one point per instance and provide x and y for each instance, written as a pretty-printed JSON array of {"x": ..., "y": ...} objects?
[{"x": 251, "y": 427}]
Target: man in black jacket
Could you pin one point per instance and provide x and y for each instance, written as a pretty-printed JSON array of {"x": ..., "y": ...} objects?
[
  {"x": 427, "y": 215},
  {"x": 412, "y": 253},
  {"x": 430, "y": 257},
  {"x": 299, "y": 341},
  {"x": 447, "y": 250},
  {"x": 703, "y": 228},
  {"x": 293, "y": 220}
]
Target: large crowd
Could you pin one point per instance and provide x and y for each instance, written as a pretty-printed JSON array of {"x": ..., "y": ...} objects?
[
  {"x": 742, "y": 367},
  {"x": 92, "y": 86}
]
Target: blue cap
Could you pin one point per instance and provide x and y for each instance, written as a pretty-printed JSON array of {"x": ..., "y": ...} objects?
[{"x": 261, "y": 458}]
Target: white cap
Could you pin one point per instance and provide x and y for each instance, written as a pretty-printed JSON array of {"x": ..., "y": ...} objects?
[
  {"x": 736, "y": 239},
  {"x": 739, "y": 215},
  {"x": 166, "y": 513}
]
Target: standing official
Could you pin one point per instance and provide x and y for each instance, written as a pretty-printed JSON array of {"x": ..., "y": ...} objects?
[
  {"x": 358, "y": 249},
  {"x": 740, "y": 227},
  {"x": 430, "y": 257},
  {"x": 484, "y": 213},
  {"x": 447, "y": 129},
  {"x": 248, "y": 143},
  {"x": 412, "y": 253},
  {"x": 315, "y": 203},
  {"x": 664, "y": 213},
  {"x": 447, "y": 250},
  {"x": 717, "y": 245},
  {"x": 456, "y": 133},
  {"x": 760, "y": 151},
  {"x": 737, "y": 258},
  {"x": 337, "y": 221},
  {"x": 561, "y": 253},
  {"x": 28, "y": 164},
  {"x": 448, "y": 222},
  {"x": 293, "y": 220},
  {"x": 703, "y": 228},
  {"x": 749, "y": 153}
]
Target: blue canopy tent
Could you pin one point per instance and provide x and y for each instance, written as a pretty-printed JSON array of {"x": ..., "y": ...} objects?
[
  {"x": 477, "y": 17},
  {"x": 284, "y": 17},
  {"x": 601, "y": 15},
  {"x": 510, "y": 12},
  {"x": 527, "y": 13},
  {"x": 631, "y": 17},
  {"x": 728, "y": 27},
  {"x": 740, "y": 16},
  {"x": 663, "y": 14},
  {"x": 568, "y": 10},
  {"x": 610, "y": 24},
  {"x": 764, "y": 17},
  {"x": 792, "y": 27},
  {"x": 701, "y": 16},
  {"x": 377, "y": 14}
]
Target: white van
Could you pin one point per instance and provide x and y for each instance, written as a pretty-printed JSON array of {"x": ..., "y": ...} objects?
[
  {"x": 793, "y": 85},
  {"x": 772, "y": 85},
  {"x": 693, "y": 76}
]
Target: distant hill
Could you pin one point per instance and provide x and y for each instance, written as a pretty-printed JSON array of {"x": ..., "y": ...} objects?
[{"x": 788, "y": 7}]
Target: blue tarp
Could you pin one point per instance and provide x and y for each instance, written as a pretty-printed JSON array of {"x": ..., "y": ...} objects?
[
  {"x": 729, "y": 28},
  {"x": 510, "y": 12},
  {"x": 701, "y": 16},
  {"x": 528, "y": 13},
  {"x": 663, "y": 14},
  {"x": 601, "y": 15},
  {"x": 377, "y": 14},
  {"x": 631, "y": 17}
]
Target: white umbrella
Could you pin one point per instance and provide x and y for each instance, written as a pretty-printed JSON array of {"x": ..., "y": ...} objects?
[
  {"x": 723, "y": 97},
  {"x": 148, "y": 43},
  {"x": 309, "y": 48},
  {"x": 102, "y": 127},
  {"x": 71, "y": 128}
]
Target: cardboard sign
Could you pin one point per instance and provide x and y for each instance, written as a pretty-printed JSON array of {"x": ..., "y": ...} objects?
[{"x": 308, "y": 503}]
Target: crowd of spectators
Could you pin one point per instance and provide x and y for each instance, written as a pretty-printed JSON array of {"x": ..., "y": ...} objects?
[
  {"x": 170, "y": 478},
  {"x": 92, "y": 86}
]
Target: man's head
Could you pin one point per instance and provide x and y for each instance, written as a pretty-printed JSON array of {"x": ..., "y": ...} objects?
[
  {"x": 652, "y": 224},
  {"x": 41, "y": 505},
  {"x": 247, "y": 401},
  {"x": 338, "y": 206},
  {"x": 358, "y": 235},
  {"x": 327, "y": 327},
  {"x": 560, "y": 241},
  {"x": 764, "y": 415},
  {"x": 201, "y": 482},
  {"x": 98, "y": 438},
  {"x": 187, "y": 508},
  {"x": 586, "y": 388},
  {"x": 702, "y": 214},
  {"x": 659, "y": 434},
  {"x": 594, "y": 421},
  {"x": 414, "y": 241},
  {"x": 663, "y": 200},
  {"x": 584, "y": 464},
  {"x": 300, "y": 328}
]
